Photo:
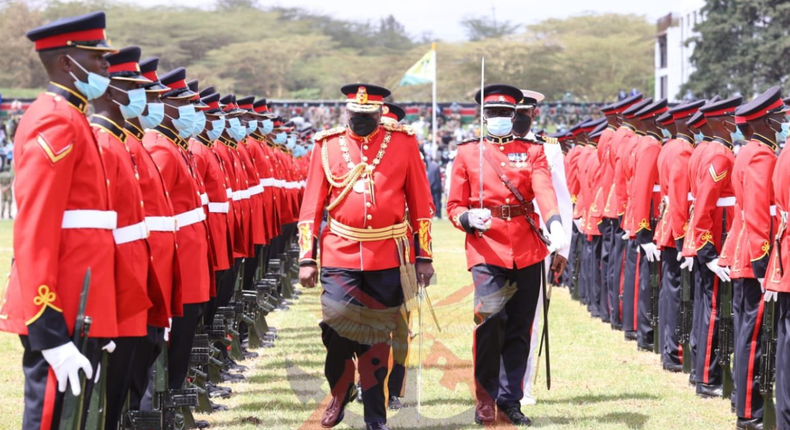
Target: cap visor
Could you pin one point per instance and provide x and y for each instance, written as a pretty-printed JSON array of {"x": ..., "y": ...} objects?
[
  {"x": 140, "y": 79},
  {"x": 502, "y": 105},
  {"x": 101, "y": 46},
  {"x": 187, "y": 94},
  {"x": 156, "y": 87},
  {"x": 366, "y": 108}
]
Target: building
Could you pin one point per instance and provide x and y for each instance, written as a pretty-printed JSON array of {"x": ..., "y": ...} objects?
[{"x": 673, "y": 57}]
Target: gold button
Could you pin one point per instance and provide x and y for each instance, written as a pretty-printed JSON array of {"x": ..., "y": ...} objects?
[
  {"x": 365, "y": 159},
  {"x": 501, "y": 148},
  {"x": 502, "y": 164},
  {"x": 365, "y": 147},
  {"x": 370, "y": 228},
  {"x": 507, "y": 200},
  {"x": 368, "y": 204},
  {"x": 108, "y": 183},
  {"x": 137, "y": 176},
  {"x": 370, "y": 216},
  {"x": 142, "y": 204}
]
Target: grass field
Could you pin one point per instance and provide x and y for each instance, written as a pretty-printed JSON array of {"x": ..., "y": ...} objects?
[{"x": 598, "y": 380}]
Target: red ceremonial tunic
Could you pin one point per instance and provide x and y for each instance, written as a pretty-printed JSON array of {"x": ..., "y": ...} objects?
[
  {"x": 625, "y": 193},
  {"x": 257, "y": 221},
  {"x": 645, "y": 196},
  {"x": 605, "y": 173},
  {"x": 777, "y": 280},
  {"x": 619, "y": 139},
  {"x": 263, "y": 165},
  {"x": 208, "y": 167},
  {"x": 680, "y": 189}
]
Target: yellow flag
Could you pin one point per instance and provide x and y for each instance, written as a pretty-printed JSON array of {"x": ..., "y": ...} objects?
[{"x": 423, "y": 71}]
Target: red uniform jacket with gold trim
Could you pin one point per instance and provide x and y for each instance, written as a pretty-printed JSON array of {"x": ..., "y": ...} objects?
[
  {"x": 711, "y": 187},
  {"x": 257, "y": 221},
  {"x": 779, "y": 265},
  {"x": 215, "y": 180},
  {"x": 623, "y": 171},
  {"x": 621, "y": 135},
  {"x": 257, "y": 148},
  {"x": 508, "y": 243},
  {"x": 399, "y": 180},
  {"x": 162, "y": 244},
  {"x": 673, "y": 157},
  {"x": 755, "y": 196},
  {"x": 628, "y": 172},
  {"x": 644, "y": 197},
  {"x": 170, "y": 155},
  {"x": 590, "y": 184},
  {"x": 572, "y": 175},
  {"x": 58, "y": 167},
  {"x": 605, "y": 174},
  {"x": 679, "y": 190}
]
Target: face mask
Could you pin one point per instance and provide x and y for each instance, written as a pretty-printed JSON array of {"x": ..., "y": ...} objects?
[
  {"x": 267, "y": 126},
  {"x": 310, "y": 146},
  {"x": 666, "y": 133},
  {"x": 499, "y": 125},
  {"x": 200, "y": 123},
  {"x": 252, "y": 126},
  {"x": 781, "y": 135},
  {"x": 737, "y": 135},
  {"x": 363, "y": 125},
  {"x": 699, "y": 137},
  {"x": 217, "y": 127},
  {"x": 235, "y": 129},
  {"x": 291, "y": 142},
  {"x": 280, "y": 138},
  {"x": 156, "y": 113},
  {"x": 185, "y": 121},
  {"x": 522, "y": 124},
  {"x": 96, "y": 85},
  {"x": 136, "y": 104}
]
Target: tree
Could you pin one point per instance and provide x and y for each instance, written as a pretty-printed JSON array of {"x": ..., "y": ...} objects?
[
  {"x": 479, "y": 28},
  {"x": 743, "y": 47}
]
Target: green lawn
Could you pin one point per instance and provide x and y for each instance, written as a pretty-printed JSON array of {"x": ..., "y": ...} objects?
[{"x": 598, "y": 380}]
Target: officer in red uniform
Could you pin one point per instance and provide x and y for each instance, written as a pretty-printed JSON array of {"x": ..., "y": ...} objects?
[
  {"x": 168, "y": 147},
  {"x": 65, "y": 220},
  {"x": 503, "y": 248},
  {"x": 589, "y": 164},
  {"x": 624, "y": 182},
  {"x": 581, "y": 186},
  {"x": 777, "y": 285},
  {"x": 753, "y": 232},
  {"x": 126, "y": 99},
  {"x": 613, "y": 245},
  {"x": 572, "y": 178}
]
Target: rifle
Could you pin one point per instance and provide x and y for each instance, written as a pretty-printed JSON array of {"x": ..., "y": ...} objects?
[
  {"x": 655, "y": 285},
  {"x": 768, "y": 365},
  {"x": 72, "y": 410},
  {"x": 685, "y": 318},
  {"x": 577, "y": 264},
  {"x": 726, "y": 334},
  {"x": 173, "y": 405}
]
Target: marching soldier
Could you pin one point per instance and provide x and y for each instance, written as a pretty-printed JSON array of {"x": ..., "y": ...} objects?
[
  {"x": 65, "y": 221},
  {"x": 749, "y": 242},
  {"x": 364, "y": 176},
  {"x": 506, "y": 272}
]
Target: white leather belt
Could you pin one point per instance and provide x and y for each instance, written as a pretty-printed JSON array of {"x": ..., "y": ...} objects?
[
  {"x": 279, "y": 183},
  {"x": 656, "y": 188},
  {"x": 221, "y": 208},
  {"x": 302, "y": 184},
  {"x": 102, "y": 220},
  {"x": 204, "y": 199},
  {"x": 161, "y": 223},
  {"x": 725, "y": 202},
  {"x": 691, "y": 197},
  {"x": 228, "y": 193},
  {"x": 130, "y": 233},
  {"x": 267, "y": 182},
  {"x": 773, "y": 210},
  {"x": 190, "y": 217},
  {"x": 256, "y": 189}
]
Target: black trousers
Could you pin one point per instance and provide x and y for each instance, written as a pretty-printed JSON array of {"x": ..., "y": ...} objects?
[
  {"x": 599, "y": 296},
  {"x": 182, "y": 336},
  {"x": 505, "y": 303},
  {"x": 607, "y": 228},
  {"x": 707, "y": 366},
  {"x": 43, "y": 401},
  {"x": 567, "y": 277},
  {"x": 437, "y": 202},
  {"x": 145, "y": 355},
  {"x": 644, "y": 334},
  {"x": 250, "y": 267},
  {"x": 749, "y": 320},
  {"x": 669, "y": 306},
  {"x": 118, "y": 373},
  {"x": 355, "y": 289},
  {"x": 585, "y": 272},
  {"x": 782, "y": 386},
  {"x": 616, "y": 274},
  {"x": 630, "y": 287},
  {"x": 400, "y": 353}
]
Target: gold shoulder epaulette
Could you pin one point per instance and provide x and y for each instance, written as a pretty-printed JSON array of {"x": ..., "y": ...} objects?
[
  {"x": 553, "y": 140},
  {"x": 321, "y": 135},
  {"x": 399, "y": 128}
]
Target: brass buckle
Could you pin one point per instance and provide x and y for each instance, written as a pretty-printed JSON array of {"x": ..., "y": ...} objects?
[{"x": 506, "y": 209}]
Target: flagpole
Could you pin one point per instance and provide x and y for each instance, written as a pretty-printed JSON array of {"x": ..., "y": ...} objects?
[{"x": 433, "y": 119}]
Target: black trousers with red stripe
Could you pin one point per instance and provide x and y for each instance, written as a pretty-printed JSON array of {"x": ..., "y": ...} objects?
[
  {"x": 748, "y": 319},
  {"x": 43, "y": 402},
  {"x": 644, "y": 333},
  {"x": 630, "y": 287},
  {"x": 782, "y": 386},
  {"x": 505, "y": 303},
  {"x": 118, "y": 372},
  {"x": 614, "y": 273},
  {"x": 585, "y": 272},
  {"x": 707, "y": 307},
  {"x": 669, "y": 306},
  {"x": 608, "y": 258}
]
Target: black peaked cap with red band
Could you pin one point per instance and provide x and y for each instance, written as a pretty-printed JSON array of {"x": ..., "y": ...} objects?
[
  {"x": 722, "y": 107},
  {"x": 148, "y": 69},
  {"x": 84, "y": 32},
  {"x": 176, "y": 81},
  {"x": 125, "y": 65},
  {"x": 767, "y": 103},
  {"x": 499, "y": 95}
]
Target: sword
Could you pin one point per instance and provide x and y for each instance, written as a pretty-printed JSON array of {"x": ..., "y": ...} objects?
[
  {"x": 420, "y": 295},
  {"x": 482, "y": 105},
  {"x": 545, "y": 332},
  {"x": 71, "y": 412}
]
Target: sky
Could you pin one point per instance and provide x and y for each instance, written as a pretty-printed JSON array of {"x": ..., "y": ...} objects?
[{"x": 441, "y": 18}]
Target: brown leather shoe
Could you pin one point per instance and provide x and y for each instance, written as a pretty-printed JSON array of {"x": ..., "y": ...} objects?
[
  {"x": 485, "y": 413},
  {"x": 336, "y": 409}
]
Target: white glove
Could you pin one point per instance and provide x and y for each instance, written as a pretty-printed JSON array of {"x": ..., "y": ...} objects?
[
  {"x": 770, "y": 296},
  {"x": 762, "y": 284},
  {"x": 557, "y": 236},
  {"x": 680, "y": 258},
  {"x": 578, "y": 223},
  {"x": 110, "y": 348},
  {"x": 626, "y": 234},
  {"x": 688, "y": 263},
  {"x": 480, "y": 219},
  {"x": 167, "y": 329},
  {"x": 651, "y": 252},
  {"x": 66, "y": 361},
  {"x": 722, "y": 272}
]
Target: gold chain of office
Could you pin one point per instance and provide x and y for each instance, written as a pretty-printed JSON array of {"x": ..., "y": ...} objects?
[{"x": 347, "y": 181}]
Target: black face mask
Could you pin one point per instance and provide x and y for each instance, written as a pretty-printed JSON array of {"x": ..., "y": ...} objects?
[
  {"x": 363, "y": 125},
  {"x": 522, "y": 124}
]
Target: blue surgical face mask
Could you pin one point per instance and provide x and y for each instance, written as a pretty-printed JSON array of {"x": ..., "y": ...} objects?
[
  {"x": 96, "y": 85},
  {"x": 137, "y": 100},
  {"x": 699, "y": 137},
  {"x": 310, "y": 146},
  {"x": 737, "y": 135},
  {"x": 235, "y": 129},
  {"x": 666, "y": 133},
  {"x": 291, "y": 142},
  {"x": 267, "y": 126},
  {"x": 156, "y": 113},
  {"x": 185, "y": 122},
  {"x": 217, "y": 127},
  {"x": 200, "y": 123},
  {"x": 252, "y": 126},
  {"x": 782, "y": 136},
  {"x": 499, "y": 125},
  {"x": 280, "y": 138}
]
